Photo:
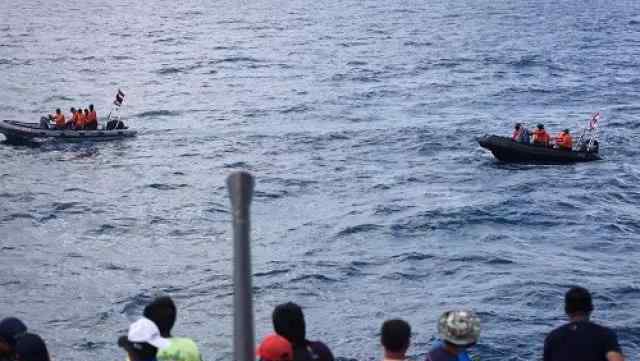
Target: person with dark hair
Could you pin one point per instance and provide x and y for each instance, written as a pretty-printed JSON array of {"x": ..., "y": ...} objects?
[
  {"x": 540, "y": 136},
  {"x": 31, "y": 347},
  {"x": 458, "y": 331},
  {"x": 72, "y": 120},
  {"x": 11, "y": 329},
  {"x": 395, "y": 337},
  {"x": 92, "y": 118},
  {"x": 162, "y": 311},
  {"x": 564, "y": 141},
  {"x": 288, "y": 322},
  {"x": 581, "y": 339},
  {"x": 142, "y": 341}
]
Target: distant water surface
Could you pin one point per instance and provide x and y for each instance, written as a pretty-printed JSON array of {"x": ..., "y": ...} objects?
[{"x": 359, "y": 120}]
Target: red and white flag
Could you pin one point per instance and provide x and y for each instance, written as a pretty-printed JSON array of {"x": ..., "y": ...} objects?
[
  {"x": 119, "y": 98},
  {"x": 593, "y": 123}
]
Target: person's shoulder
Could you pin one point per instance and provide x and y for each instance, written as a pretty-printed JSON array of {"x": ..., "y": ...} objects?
[
  {"x": 321, "y": 349},
  {"x": 602, "y": 330},
  {"x": 181, "y": 349},
  {"x": 558, "y": 332}
]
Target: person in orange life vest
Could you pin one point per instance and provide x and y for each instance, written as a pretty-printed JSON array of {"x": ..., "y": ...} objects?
[
  {"x": 92, "y": 118},
  {"x": 540, "y": 136},
  {"x": 80, "y": 121},
  {"x": 86, "y": 118},
  {"x": 59, "y": 120},
  {"x": 72, "y": 121},
  {"x": 564, "y": 140}
]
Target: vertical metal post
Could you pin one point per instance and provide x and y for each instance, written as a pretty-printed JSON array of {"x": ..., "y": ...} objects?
[{"x": 240, "y": 185}]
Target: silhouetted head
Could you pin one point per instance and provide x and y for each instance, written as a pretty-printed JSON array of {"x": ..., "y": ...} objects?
[
  {"x": 578, "y": 301},
  {"x": 518, "y": 125},
  {"x": 395, "y": 336},
  {"x": 31, "y": 347},
  {"x": 540, "y": 126},
  {"x": 288, "y": 322},
  {"x": 91, "y": 107},
  {"x": 58, "y": 111},
  {"x": 566, "y": 131},
  {"x": 86, "y": 111},
  {"x": 162, "y": 311},
  {"x": 11, "y": 329},
  {"x": 73, "y": 110}
]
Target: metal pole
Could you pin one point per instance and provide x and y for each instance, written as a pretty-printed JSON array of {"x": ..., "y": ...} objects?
[{"x": 240, "y": 185}]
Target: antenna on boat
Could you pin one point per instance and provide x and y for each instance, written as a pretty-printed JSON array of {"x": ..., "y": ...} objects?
[{"x": 240, "y": 185}]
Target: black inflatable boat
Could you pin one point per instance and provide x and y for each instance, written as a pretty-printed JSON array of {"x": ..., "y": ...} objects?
[
  {"x": 507, "y": 150},
  {"x": 21, "y": 132}
]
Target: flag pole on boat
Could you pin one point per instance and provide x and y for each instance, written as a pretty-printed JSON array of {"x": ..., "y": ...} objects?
[
  {"x": 240, "y": 186},
  {"x": 114, "y": 114}
]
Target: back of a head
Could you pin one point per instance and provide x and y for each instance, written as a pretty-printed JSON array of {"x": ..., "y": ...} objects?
[
  {"x": 90, "y": 106},
  {"x": 162, "y": 311},
  {"x": 578, "y": 300},
  {"x": 31, "y": 347},
  {"x": 10, "y": 329},
  {"x": 395, "y": 335},
  {"x": 288, "y": 321}
]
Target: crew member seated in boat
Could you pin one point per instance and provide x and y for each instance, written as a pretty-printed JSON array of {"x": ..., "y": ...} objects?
[
  {"x": 74, "y": 118},
  {"x": 520, "y": 134},
  {"x": 540, "y": 136},
  {"x": 564, "y": 141},
  {"x": 92, "y": 118},
  {"x": 59, "y": 120},
  {"x": 80, "y": 120}
]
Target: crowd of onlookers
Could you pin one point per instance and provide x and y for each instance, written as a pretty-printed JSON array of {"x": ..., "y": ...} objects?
[{"x": 150, "y": 338}]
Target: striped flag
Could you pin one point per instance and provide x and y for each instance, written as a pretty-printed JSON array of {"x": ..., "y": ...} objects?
[
  {"x": 119, "y": 98},
  {"x": 593, "y": 123}
]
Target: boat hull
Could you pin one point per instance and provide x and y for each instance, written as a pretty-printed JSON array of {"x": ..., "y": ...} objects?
[
  {"x": 21, "y": 132},
  {"x": 506, "y": 150}
]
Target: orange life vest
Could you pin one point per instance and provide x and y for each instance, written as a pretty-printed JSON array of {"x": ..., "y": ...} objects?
[
  {"x": 59, "y": 120},
  {"x": 93, "y": 117},
  {"x": 564, "y": 141},
  {"x": 80, "y": 121},
  {"x": 541, "y": 136}
]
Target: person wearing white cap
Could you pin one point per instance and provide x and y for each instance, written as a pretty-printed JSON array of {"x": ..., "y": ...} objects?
[
  {"x": 143, "y": 341},
  {"x": 458, "y": 330}
]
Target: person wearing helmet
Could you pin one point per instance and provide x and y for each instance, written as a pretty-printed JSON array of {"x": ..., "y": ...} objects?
[
  {"x": 581, "y": 339},
  {"x": 458, "y": 330},
  {"x": 540, "y": 136}
]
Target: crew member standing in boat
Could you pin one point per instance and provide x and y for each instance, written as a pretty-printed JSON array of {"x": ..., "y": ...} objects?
[
  {"x": 540, "y": 136},
  {"x": 564, "y": 140}
]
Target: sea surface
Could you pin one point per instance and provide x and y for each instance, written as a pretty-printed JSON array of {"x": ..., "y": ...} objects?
[{"x": 373, "y": 199}]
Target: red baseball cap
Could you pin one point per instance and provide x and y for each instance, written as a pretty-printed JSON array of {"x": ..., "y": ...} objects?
[{"x": 275, "y": 348}]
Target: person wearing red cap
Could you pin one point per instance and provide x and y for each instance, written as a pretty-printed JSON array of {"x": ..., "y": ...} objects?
[{"x": 275, "y": 348}]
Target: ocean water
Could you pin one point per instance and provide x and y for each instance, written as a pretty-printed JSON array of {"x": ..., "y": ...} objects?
[{"x": 358, "y": 119}]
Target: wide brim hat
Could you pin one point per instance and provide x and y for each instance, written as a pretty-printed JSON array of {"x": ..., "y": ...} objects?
[{"x": 461, "y": 327}]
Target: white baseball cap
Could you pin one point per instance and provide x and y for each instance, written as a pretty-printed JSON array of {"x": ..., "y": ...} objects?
[{"x": 145, "y": 331}]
